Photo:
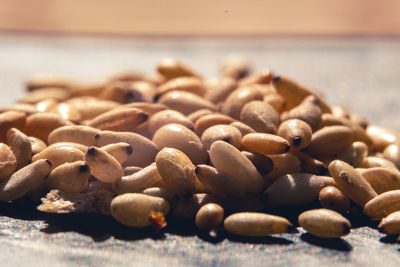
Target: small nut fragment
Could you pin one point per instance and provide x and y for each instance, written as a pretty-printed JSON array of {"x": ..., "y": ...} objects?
[
  {"x": 209, "y": 217},
  {"x": 324, "y": 223}
]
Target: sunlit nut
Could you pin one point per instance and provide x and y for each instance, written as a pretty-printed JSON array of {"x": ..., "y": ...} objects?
[
  {"x": 161, "y": 192},
  {"x": 390, "y": 225},
  {"x": 330, "y": 141},
  {"x": 263, "y": 163},
  {"x": 134, "y": 209},
  {"x": 102, "y": 165},
  {"x": 69, "y": 177},
  {"x": 382, "y": 137},
  {"x": 310, "y": 164},
  {"x": 131, "y": 170},
  {"x": 264, "y": 143},
  {"x": 21, "y": 146},
  {"x": 79, "y": 134},
  {"x": 138, "y": 181},
  {"x": 37, "y": 145},
  {"x": 221, "y": 132},
  {"x": 56, "y": 93},
  {"x": 330, "y": 197},
  {"x": 67, "y": 112},
  {"x": 8, "y": 162},
  {"x": 283, "y": 164},
  {"x": 166, "y": 117},
  {"x": 381, "y": 179},
  {"x": 46, "y": 105},
  {"x": 276, "y": 101},
  {"x": 243, "y": 128},
  {"x": 11, "y": 119},
  {"x": 256, "y": 224},
  {"x": 120, "y": 151},
  {"x": 179, "y": 137},
  {"x": 90, "y": 107},
  {"x": 351, "y": 183},
  {"x": 235, "y": 67},
  {"x": 295, "y": 189},
  {"x": 359, "y": 120},
  {"x": 59, "y": 155},
  {"x": 262, "y": 77},
  {"x": 219, "y": 89},
  {"x": 294, "y": 93},
  {"x": 340, "y": 111},
  {"x": 355, "y": 155},
  {"x": 297, "y": 132},
  {"x": 24, "y": 180},
  {"x": 238, "y": 98},
  {"x": 40, "y": 125},
  {"x": 185, "y": 102},
  {"x": 188, "y": 84},
  {"x": 209, "y": 217},
  {"x": 308, "y": 110},
  {"x": 228, "y": 159},
  {"x": 370, "y": 162},
  {"x": 219, "y": 183},
  {"x": 392, "y": 153},
  {"x": 324, "y": 223},
  {"x": 28, "y": 109},
  {"x": 177, "y": 171},
  {"x": 260, "y": 116},
  {"x": 383, "y": 205},
  {"x": 44, "y": 80}
]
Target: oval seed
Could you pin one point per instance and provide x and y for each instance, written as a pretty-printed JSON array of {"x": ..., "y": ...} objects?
[
  {"x": 276, "y": 101},
  {"x": 69, "y": 177},
  {"x": 46, "y": 105},
  {"x": 59, "y": 155},
  {"x": 11, "y": 119},
  {"x": 56, "y": 93},
  {"x": 188, "y": 84},
  {"x": 390, "y": 225},
  {"x": 238, "y": 98},
  {"x": 67, "y": 112},
  {"x": 172, "y": 68},
  {"x": 131, "y": 170},
  {"x": 283, "y": 164},
  {"x": 260, "y": 116},
  {"x": 80, "y": 134},
  {"x": 355, "y": 155},
  {"x": 21, "y": 146},
  {"x": 256, "y": 224},
  {"x": 330, "y": 197},
  {"x": 102, "y": 165},
  {"x": 264, "y": 143},
  {"x": 381, "y": 179},
  {"x": 177, "y": 171},
  {"x": 221, "y": 132},
  {"x": 8, "y": 162},
  {"x": 198, "y": 114},
  {"x": 228, "y": 159},
  {"x": 295, "y": 189},
  {"x": 219, "y": 183},
  {"x": 383, "y": 205},
  {"x": 243, "y": 128},
  {"x": 235, "y": 67},
  {"x": 120, "y": 151},
  {"x": 382, "y": 137},
  {"x": 263, "y": 163},
  {"x": 208, "y": 121},
  {"x": 324, "y": 223},
  {"x": 134, "y": 209},
  {"x": 209, "y": 217},
  {"x": 165, "y": 117},
  {"x": 28, "y": 109},
  {"x": 370, "y": 162},
  {"x": 136, "y": 182},
  {"x": 330, "y": 141},
  {"x": 161, "y": 192},
  {"x": 24, "y": 180},
  {"x": 81, "y": 147},
  {"x": 351, "y": 183},
  {"x": 297, "y": 132},
  {"x": 219, "y": 89},
  {"x": 186, "y": 208},
  {"x": 185, "y": 102},
  {"x": 44, "y": 80},
  {"x": 90, "y": 107},
  {"x": 179, "y": 137},
  {"x": 310, "y": 164},
  {"x": 392, "y": 153}
]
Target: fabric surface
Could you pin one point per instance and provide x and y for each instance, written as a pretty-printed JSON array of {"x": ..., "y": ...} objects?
[{"x": 362, "y": 74}]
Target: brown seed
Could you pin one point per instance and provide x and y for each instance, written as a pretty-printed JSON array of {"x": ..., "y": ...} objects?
[
  {"x": 276, "y": 101},
  {"x": 297, "y": 132},
  {"x": 47, "y": 80},
  {"x": 40, "y": 125},
  {"x": 264, "y": 143},
  {"x": 59, "y": 155},
  {"x": 235, "y": 67},
  {"x": 56, "y": 93},
  {"x": 263, "y": 163},
  {"x": 131, "y": 170},
  {"x": 21, "y": 146},
  {"x": 67, "y": 112},
  {"x": 11, "y": 119},
  {"x": 310, "y": 164},
  {"x": 81, "y": 147},
  {"x": 351, "y": 183},
  {"x": 120, "y": 151},
  {"x": 185, "y": 102},
  {"x": 219, "y": 89},
  {"x": 262, "y": 77},
  {"x": 69, "y": 177},
  {"x": 149, "y": 108},
  {"x": 383, "y": 205},
  {"x": 188, "y": 84},
  {"x": 221, "y": 132},
  {"x": 46, "y": 105},
  {"x": 209, "y": 217},
  {"x": 20, "y": 107},
  {"x": 79, "y": 89},
  {"x": 283, "y": 164},
  {"x": 295, "y": 189},
  {"x": 198, "y": 114},
  {"x": 79, "y": 134},
  {"x": 260, "y": 116},
  {"x": 392, "y": 153},
  {"x": 355, "y": 155},
  {"x": 161, "y": 192},
  {"x": 324, "y": 223},
  {"x": 102, "y": 165},
  {"x": 219, "y": 183},
  {"x": 37, "y": 145},
  {"x": 127, "y": 92},
  {"x": 165, "y": 117},
  {"x": 382, "y": 137},
  {"x": 381, "y": 179},
  {"x": 228, "y": 159},
  {"x": 370, "y": 162},
  {"x": 390, "y": 225},
  {"x": 243, "y": 128},
  {"x": 238, "y": 98},
  {"x": 90, "y": 107},
  {"x": 256, "y": 224},
  {"x": 177, "y": 171},
  {"x": 207, "y": 121},
  {"x": 172, "y": 68},
  {"x": 8, "y": 162},
  {"x": 330, "y": 197}
]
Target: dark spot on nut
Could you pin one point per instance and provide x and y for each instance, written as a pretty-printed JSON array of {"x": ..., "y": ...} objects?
[
  {"x": 129, "y": 150},
  {"x": 49, "y": 162},
  {"x": 83, "y": 168},
  {"x": 296, "y": 140},
  {"x": 91, "y": 150},
  {"x": 97, "y": 136}
]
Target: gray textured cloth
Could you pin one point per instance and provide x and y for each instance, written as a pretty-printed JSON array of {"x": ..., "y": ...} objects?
[{"x": 360, "y": 73}]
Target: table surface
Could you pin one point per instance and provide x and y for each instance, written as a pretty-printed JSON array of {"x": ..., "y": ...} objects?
[{"x": 362, "y": 74}]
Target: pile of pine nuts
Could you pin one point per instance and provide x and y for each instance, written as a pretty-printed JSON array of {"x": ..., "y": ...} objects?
[{"x": 148, "y": 150}]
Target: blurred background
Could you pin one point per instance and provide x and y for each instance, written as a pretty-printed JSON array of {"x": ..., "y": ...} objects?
[{"x": 347, "y": 49}]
